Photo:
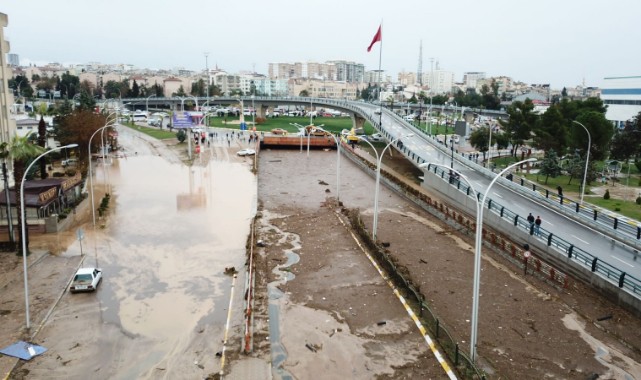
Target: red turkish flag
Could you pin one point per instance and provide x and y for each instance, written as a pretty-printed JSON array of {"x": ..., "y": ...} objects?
[{"x": 377, "y": 37}]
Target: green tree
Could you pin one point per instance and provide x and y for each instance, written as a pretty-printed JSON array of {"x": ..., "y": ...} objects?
[
  {"x": 626, "y": 142},
  {"x": 198, "y": 88},
  {"x": 304, "y": 93},
  {"x": 601, "y": 132},
  {"x": 180, "y": 92},
  {"x": 479, "y": 139},
  {"x": 550, "y": 165},
  {"x": 135, "y": 90},
  {"x": 551, "y": 131},
  {"x": 157, "y": 90},
  {"x": 522, "y": 120},
  {"x": 22, "y": 152}
]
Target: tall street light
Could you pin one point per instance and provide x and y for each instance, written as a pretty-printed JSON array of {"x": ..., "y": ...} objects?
[
  {"x": 338, "y": 167},
  {"x": 379, "y": 159},
  {"x": 587, "y": 159},
  {"x": 147, "y": 103},
  {"x": 23, "y": 225},
  {"x": 93, "y": 207},
  {"x": 478, "y": 246}
]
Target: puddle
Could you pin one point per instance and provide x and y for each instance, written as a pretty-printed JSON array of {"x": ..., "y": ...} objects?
[
  {"x": 277, "y": 297},
  {"x": 620, "y": 366}
]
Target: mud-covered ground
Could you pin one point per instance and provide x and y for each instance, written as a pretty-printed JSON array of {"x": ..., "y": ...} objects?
[{"x": 527, "y": 329}]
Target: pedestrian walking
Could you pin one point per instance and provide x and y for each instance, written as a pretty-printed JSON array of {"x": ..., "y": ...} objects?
[
  {"x": 537, "y": 225},
  {"x": 530, "y": 219}
]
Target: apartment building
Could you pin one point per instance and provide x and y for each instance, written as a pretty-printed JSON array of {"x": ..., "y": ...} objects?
[
  {"x": 471, "y": 79},
  {"x": 7, "y": 122},
  {"x": 323, "y": 89}
]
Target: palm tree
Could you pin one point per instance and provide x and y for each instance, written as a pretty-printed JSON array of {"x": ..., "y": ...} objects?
[{"x": 21, "y": 150}]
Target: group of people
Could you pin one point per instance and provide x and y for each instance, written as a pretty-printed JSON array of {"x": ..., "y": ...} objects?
[{"x": 535, "y": 223}]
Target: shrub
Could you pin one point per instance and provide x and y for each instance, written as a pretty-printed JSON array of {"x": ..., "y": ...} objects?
[
  {"x": 607, "y": 194},
  {"x": 181, "y": 136},
  {"x": 638, "y": 201},
  {"x": 260, "y": 120}
]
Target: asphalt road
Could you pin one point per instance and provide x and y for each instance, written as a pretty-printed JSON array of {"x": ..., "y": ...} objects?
[{"x": 576, "y": 233}]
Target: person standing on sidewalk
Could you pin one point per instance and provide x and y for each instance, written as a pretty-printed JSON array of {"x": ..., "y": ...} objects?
[{"x": 537, "y": 225}]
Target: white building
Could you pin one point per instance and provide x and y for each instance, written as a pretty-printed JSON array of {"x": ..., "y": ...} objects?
[
  {"x": 622, "y": 95},
  {"x": 7, "y": 122}
]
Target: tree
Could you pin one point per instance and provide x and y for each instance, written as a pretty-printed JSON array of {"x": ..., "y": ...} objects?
[
  {"x": 550, "y": 166},
  {"x": 198, "y": 88},
  {"x": 601, "y": 132},
  {"x": 390, "y": 100},
  {"x": 551, "y": 132},
  {"x": 22, "y": 151},
  {"x": 304, "y": 93},
  {"x": 626, "y": 142},
  {"x": 521, "y": 121},
  {"x": 135, "y": 90},
  {"x": 78, "y": 128},
  {"x": 479, "y": 139},
  {"x": 180, "y": 92}
]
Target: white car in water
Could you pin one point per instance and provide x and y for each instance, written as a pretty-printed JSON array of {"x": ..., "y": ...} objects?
[{"x": 86, "y": 280}]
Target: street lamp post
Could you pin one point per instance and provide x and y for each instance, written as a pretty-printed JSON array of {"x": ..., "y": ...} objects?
[
  {"x": 338, "y": 167},
  {"x": 93, "y": 207},
  {"x": 478, "y": 244},
  {"x": 24, "y": 233},
  {"x": 587, "y": 159},
  {"x": 379, "y": 159},
  {"x": 147, "y": 103},
  {"x": 489, "y": 148}
]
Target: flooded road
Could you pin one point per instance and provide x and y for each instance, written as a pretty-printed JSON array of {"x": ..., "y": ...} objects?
[{"x": 162, "y": 307}]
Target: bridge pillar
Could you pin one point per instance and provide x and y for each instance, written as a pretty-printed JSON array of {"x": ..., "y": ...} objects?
[
  {"x": 261, "y": 110},
  {"x": 358, "y": 123}
]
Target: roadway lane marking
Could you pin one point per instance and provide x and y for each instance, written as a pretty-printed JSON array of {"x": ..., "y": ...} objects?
[
  {"x": 428, "y": 339},
  {"x": 498, "y": 195},
  {"x": 616, "y": 258},
  {"x": 581, "y": 240}
]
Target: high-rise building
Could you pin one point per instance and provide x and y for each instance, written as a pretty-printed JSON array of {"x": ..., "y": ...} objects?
[
  {"x": 7, "y": 124},
  {"x": 13, "y": 59}
]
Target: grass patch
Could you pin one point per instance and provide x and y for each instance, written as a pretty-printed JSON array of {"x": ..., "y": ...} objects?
[
  {"x": 332, "y": 124},
  {"x": 625, "y": 208},
  {"x": 160, "y": 134}
]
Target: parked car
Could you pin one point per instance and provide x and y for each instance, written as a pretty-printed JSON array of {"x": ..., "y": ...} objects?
[
  {"x": 246, "y": 152},
  {"x": 86, "y": 280},
  {"x": 279, "y": 131},
  {"x": 376, "y": 137},
  {"x": 69, "y": 162}
]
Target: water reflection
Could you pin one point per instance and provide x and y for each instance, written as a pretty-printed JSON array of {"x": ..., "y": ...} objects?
[{"x": 171, "y": 232}]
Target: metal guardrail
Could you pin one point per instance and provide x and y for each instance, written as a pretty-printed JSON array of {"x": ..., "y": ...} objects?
[{"x": 577, "y": 255}]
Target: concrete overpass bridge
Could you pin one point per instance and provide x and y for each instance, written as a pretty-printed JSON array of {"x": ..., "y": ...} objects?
[{"x": 262, "y": 104}]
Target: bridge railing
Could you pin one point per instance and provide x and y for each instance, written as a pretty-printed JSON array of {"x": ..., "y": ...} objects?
[{"x": 583, "y": 258}]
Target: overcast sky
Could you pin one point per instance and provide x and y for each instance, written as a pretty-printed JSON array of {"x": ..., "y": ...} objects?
[{"x": 560, "y": 42}]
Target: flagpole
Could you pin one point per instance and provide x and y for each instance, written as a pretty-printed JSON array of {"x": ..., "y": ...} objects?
[{"x": 380, "y": 75}]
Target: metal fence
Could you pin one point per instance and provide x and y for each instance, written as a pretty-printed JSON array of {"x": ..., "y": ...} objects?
[{"x": 585, "y": 259}]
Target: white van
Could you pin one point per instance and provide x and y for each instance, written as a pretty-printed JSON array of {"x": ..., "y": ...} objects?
[{"x": 139, "y": 117}]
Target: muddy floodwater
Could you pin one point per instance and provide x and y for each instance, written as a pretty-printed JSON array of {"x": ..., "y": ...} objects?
[{"x": 162, "y": 307}]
